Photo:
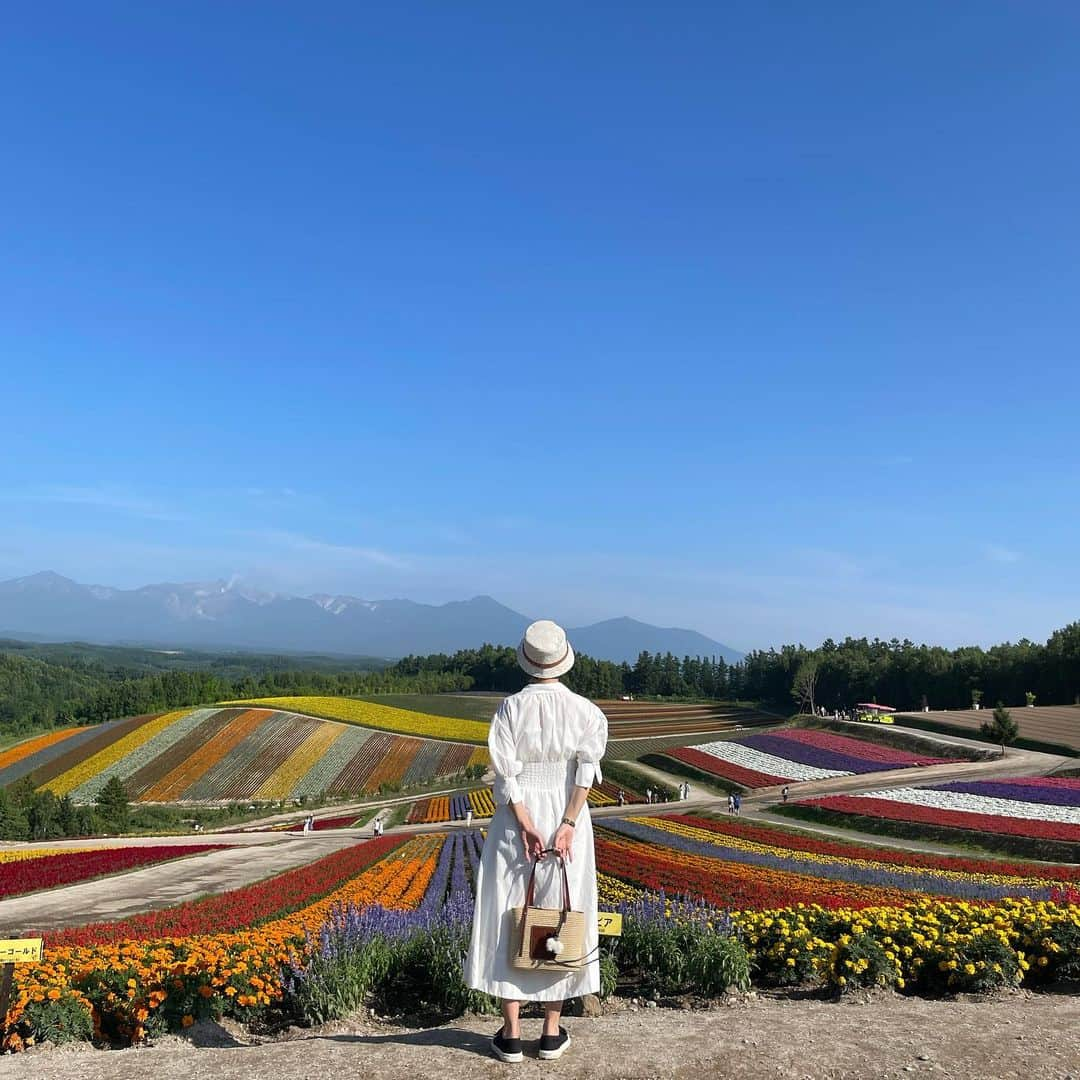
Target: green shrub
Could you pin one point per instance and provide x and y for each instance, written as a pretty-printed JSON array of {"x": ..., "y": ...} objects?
[
  {"x": 609, "y": 974},
  {"x": 64, "y": 1020},
  {"x": 692, "y": 951}
]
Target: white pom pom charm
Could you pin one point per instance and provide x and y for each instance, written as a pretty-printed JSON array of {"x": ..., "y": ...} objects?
[{"x": 554, "y": 946}]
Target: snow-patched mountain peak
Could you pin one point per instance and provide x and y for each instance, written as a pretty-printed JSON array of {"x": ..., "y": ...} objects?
[{"x": 338, "y": 605}]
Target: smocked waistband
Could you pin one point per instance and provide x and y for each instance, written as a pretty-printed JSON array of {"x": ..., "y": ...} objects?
[{"x": 539, "y": 774}]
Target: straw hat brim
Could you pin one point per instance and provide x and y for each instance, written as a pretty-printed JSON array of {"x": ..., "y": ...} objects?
[{"x": 552, "y": 672}]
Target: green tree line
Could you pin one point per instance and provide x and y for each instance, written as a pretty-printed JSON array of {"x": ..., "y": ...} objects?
[
  {"x": 898, "y": 673},
  {"x": 41, "y": 690}
]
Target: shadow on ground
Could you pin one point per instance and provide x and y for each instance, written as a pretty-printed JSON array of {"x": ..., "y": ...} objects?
[{"x": 468, "y": 1042}]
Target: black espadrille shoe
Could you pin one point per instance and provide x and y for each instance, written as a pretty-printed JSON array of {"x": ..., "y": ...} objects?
[
  {"x": 552, "y": 1046},
  {"x": 508, "y": 1050}
]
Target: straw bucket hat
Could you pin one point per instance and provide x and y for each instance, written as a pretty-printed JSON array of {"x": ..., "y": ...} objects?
[{"x": 544, "y": 651}]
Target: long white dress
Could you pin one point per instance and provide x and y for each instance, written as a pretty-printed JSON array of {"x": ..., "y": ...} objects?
[{"x": 544, "y": 740}]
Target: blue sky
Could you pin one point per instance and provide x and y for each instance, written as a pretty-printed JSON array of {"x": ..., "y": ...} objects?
[{"x": 759, "y": 318}]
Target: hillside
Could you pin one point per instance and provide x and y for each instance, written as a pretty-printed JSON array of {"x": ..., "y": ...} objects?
[
  {"x": 228, "y": 753},
  {"x": 269, "y": 749}
]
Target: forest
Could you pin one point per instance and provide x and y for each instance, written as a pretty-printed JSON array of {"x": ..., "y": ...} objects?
[{"x": 42, "y": 686}]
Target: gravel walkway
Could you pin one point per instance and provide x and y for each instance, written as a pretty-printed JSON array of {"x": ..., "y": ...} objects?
[{"x": 1019, "y": 1035}]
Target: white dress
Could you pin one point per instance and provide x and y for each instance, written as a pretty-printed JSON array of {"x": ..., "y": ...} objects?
[{"x": 544, "y": 740}]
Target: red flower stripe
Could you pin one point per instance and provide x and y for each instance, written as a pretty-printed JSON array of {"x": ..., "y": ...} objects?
[
  {"x": 867, "y": 751},
  {"x": 956, "y": 819},
  {"x": 51, "y": 871}
]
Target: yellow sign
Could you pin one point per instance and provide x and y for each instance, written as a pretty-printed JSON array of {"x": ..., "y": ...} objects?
[
  {"x": 610, "y": 924},
  {"x": 21, "y": 950}
]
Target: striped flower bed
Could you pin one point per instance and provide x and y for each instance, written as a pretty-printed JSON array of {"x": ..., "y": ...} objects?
[
  {"x": 439, "y": 808},
  {"x": 171, "y": 728},
  {"x": 173, "y": 785},
  {"x": 353, "y": 777},
  {"x": 77, "y": 749},
  {"x": 142, "y": 780},
  {"x": 24, "y": 749},
  {"x": 241, "y": 772},
  {"x": 394, "y": 764},
  {"x": 997, "y": 806},
  {"x": 323, "y": 773},
  {"x": 768, "y": 768},
  {"x": 838, "y": 753},
  {"x": 281, "y": 782},
  {"x": 769, "y": 760}
]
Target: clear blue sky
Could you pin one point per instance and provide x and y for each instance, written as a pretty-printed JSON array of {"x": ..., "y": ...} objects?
[{"x": 759, "y": 318}]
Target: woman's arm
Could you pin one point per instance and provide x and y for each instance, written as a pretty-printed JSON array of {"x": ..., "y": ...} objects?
[
  {"x": 533, "y": 841},
  {"x": 564, "y": 835},
  {"x": 504, "y": 760}
]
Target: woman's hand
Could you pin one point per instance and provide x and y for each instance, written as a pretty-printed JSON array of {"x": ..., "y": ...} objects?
[
  {"x": 532, "y": 840},
  {"x": 563, "y": 842}
]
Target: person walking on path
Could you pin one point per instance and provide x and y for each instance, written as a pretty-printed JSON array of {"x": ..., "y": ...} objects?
[
  {"x": 731, "y": 802},
  {"x": 468, "y": 816},
  {"x": 546, "y": 743},
  {"x": 784, "y": 793},
  {"x": 737, "y": 799}
]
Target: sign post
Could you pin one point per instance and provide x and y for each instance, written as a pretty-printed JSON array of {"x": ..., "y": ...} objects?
[{"x": 15, "y": 951}]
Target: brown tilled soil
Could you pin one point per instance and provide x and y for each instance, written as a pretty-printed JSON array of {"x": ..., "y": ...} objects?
[{"x": 1018, "y": 1035}]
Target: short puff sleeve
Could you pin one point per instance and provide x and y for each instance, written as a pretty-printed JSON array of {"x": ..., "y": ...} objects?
[
  {"x": 503, "y": 748},
  {"x": 591, "y": 750}
]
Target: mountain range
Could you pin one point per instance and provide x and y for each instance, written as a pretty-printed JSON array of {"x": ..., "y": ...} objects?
[{"x": 222, "y": 614}]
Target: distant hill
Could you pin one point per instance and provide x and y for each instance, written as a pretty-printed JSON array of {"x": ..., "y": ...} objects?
[{"x": 50, "y": 607}]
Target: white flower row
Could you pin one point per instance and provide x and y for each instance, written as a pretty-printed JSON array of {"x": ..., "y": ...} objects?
[
  {"x": 759, "y": 761},
  {"x": 142, "y": 755},
  {"x": 341, "y": 751},
  {"x": 977, "y": 804}
]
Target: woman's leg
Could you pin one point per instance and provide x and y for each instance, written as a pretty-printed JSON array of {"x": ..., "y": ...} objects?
[
  {"x": 552, "y": 1013},
  {"x": 511, "y": 1026}
]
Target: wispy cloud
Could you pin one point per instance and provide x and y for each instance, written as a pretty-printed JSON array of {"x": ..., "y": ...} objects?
[
  {"x": 1001, "y": 554},
  {"x": 102, "y": 498},
  {"x": 347, "y": 552}
]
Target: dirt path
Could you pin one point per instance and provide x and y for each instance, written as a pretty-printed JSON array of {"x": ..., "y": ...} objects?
[
  {"x": 162, "y": 886},
  {"x": 1019, "y": 1036}
]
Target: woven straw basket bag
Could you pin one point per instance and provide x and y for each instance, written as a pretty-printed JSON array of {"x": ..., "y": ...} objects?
[{"x": 548, "y": 939}]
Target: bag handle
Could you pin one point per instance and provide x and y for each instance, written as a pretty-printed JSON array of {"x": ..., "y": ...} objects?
[{"x": 531, "y": 891}]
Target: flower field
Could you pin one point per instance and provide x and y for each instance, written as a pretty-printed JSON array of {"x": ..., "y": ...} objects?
[
  {"x": 736, "y": 864},
  {"x": 14, "y": 754},
  {"x": 441, "y": 808},
  {"x": 384, "y": 717},
  {"x": 1043, "y": 808},
  {"x": 774, "y": 758},
  {"x": 804, "y": 909},
  {"x": 218, "y": 754},
  {"x": 49, "y": 868}
]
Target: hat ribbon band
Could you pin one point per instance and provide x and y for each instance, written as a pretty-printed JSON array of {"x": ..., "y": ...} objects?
[{"x": 536, "y": 663}]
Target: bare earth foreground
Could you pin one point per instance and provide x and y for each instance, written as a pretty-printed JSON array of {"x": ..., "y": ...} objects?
[{"x": 1030, "y": 1037}]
